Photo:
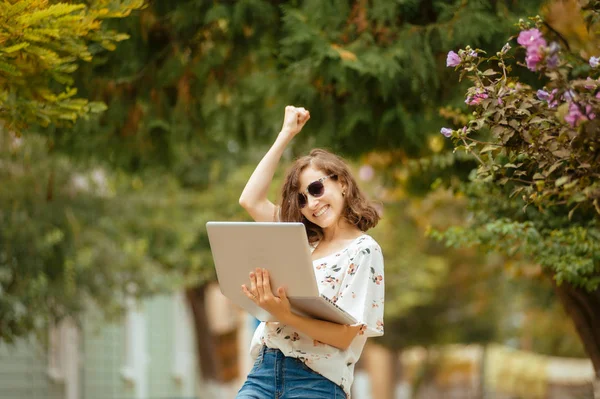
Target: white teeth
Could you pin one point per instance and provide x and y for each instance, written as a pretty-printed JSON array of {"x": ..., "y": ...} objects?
[{"x": 322, "y": 211}]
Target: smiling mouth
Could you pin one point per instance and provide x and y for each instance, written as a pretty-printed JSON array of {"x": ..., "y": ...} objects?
[{"x": 322, "y": 211}]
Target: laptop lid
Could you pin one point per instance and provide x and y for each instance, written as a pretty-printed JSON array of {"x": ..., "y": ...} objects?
[{"x": 281, "y": 248}]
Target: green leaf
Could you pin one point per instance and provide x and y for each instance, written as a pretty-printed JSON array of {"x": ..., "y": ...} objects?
[
  {"x": 561, "y": 180},
  {"x": 97, "y": 107},
  {"x": 15, "y": 47},
  {"x": 488, "y": 148}
]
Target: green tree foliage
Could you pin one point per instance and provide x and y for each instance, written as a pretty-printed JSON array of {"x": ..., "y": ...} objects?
[
  {"x": 198, "y": 90},
  {"x": 72, "y": 236},
  {"x": 432, "y": 294},
  {"x": 41, "y": 45},
  {"x": 199, "y": 78}
]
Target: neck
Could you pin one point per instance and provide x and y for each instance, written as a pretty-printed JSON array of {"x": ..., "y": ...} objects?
[{"x": 341, "y": 230}]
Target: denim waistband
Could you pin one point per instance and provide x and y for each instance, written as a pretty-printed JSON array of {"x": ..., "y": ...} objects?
[{"x": 265, "y": 349}]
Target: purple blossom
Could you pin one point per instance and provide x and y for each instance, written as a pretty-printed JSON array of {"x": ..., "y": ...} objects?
[
  {"x": 552, "y": 101},
  {"x": 552, "y": 61},
  {"x": 574, "y": 116},
  {"x": 453, "y": 59},
  {"x": 594, "y": 62},
  {"x": 543, "y": 95},
  {"x": 569, "y": 95},
  {"x": 446, "y": 132},
  {"x": 472, "y": 53}
]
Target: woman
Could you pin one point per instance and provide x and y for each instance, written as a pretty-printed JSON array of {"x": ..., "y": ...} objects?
[{"x": 301, "y": 357}]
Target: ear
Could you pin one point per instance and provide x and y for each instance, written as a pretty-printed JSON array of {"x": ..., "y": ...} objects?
[{"x": 343, "y": 185}]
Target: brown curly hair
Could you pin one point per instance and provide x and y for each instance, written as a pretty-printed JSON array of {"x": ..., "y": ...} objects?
[{"x": 358, "y": 211}]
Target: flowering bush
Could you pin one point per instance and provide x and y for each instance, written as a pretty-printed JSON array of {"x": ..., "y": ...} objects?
[
  {"x": 537, "y": 145},
  {"x": 543, "y": 142}
]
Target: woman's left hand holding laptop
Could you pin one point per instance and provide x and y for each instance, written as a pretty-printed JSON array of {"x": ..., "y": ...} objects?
[{"x": 261, "y": 293}]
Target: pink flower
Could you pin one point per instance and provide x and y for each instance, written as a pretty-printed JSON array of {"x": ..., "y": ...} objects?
[
  {"x": 477, "y": 98},
  {"x": 574, "y": 116},
  {"x": 452, "y": 59},
  {"x": 533, "y": 41},
  {"x": 531, "y": 37},
  {"x": 533, "y": 58}
]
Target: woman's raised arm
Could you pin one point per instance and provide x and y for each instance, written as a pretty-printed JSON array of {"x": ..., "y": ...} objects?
[{"x": 254, "y": 197}]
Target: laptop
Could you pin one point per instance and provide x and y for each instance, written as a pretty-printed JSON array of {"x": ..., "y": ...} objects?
[{"x": 281, "y": 248}]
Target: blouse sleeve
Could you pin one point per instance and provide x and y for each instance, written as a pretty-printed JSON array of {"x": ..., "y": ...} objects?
[{"x": 362, "y": 292}]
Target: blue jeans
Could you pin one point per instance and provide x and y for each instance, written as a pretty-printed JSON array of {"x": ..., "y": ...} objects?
[{"x": 275, "y": 376}]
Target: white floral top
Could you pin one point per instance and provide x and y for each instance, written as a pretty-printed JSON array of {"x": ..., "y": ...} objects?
[{"x": 353, "y": 279}]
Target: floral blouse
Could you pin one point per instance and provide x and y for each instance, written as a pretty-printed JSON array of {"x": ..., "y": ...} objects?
[{"x": 353, "y": 279}]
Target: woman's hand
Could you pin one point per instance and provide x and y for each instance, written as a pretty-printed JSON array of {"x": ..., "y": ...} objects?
[
  {"x": 336, "y": 335},
  {"x": 294, "y": 120},
  {"x": 261, "y": 294}
]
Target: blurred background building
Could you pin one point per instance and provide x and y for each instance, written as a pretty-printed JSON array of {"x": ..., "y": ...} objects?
[{"x": 152, "y": 354}]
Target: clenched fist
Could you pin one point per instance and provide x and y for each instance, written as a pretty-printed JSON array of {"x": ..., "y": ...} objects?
[{"x": 294, "y": 120}]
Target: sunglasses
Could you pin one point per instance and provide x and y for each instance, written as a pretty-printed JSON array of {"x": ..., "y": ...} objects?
[{"x": 316, "y": 189}]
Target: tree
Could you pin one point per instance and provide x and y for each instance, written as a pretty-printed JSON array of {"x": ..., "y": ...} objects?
[
  {"x": 73, "y": 237},
  {"x": 42, "y": 43},
  {"x": 197, "y": 79},
  {"x": 535, "y": 191}
]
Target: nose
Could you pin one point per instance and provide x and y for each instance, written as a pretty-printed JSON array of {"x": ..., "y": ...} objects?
[{"x": 312, "y": 202}]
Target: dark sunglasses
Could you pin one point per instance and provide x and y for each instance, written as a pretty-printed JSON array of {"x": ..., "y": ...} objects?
[{"x": 316, "y": 189}]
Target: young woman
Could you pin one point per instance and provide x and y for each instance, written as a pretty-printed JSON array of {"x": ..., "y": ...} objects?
[{"x": 300, "y": 357}]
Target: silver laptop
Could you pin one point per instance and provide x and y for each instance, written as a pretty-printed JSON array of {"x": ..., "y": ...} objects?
[{"x": 281, "y": 248}]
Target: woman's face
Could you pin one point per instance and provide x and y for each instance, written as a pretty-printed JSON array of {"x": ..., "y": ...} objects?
[{"x": 326, "y": 210}]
